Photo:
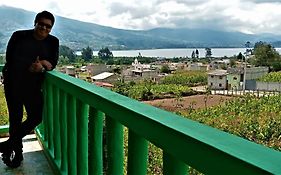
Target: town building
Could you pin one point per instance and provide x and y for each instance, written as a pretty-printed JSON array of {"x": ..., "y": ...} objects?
[
  {"x": 217, "y": 79},
  {"x": 233, "y": 78}
]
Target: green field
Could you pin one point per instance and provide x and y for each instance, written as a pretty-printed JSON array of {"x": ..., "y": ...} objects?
[{"x": 249, "y": 117}]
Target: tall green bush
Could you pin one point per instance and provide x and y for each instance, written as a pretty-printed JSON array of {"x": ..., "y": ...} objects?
[{"x": 271, "y": 77}]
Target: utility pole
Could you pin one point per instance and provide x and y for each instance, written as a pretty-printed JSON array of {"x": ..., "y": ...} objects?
[
  {"x": 244, "y": 77},
  {"x": 247, "y": 45}
]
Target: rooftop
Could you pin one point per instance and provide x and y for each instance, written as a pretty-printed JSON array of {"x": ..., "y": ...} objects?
[
  {"x": 102, "y": 76},
  {"x": 218, "y": 72}
]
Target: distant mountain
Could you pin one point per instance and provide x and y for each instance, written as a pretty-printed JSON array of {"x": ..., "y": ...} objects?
[{"x": 77, "y": 35}]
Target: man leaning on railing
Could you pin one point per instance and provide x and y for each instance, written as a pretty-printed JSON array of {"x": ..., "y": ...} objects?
[{"x": 29, "y": 54}]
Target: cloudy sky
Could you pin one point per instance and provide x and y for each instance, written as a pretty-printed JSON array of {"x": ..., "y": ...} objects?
[{"x": 248, "y": 16}]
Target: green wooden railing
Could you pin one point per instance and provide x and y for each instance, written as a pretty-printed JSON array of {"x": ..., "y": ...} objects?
[{"x": 72, "y": 136}]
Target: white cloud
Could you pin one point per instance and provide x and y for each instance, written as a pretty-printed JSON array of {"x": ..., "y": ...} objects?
[{"x": 251, "y": 16}]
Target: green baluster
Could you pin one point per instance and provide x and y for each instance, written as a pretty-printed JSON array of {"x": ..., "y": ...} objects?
[
  {"x": 115, "y": 137},
  {"x": 50, "y": 118},
  {"x": 95, "y": 141},
  {"x": 57, "y": 150},
  {"x": 171, "y": 165},
  {"x": 137, "y": 154},
  {"x": 44, "y": 123},
  {"x": 82, "y": 138},
  {"x": 72, "y": 136},
  {"x": 63, "y": 131}
]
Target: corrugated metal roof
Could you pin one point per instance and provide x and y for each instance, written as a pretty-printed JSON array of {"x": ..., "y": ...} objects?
[{"x": 102, "y": 76}]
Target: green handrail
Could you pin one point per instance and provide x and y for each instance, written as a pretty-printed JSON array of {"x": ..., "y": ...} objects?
[{"x": 76, "y": 130}]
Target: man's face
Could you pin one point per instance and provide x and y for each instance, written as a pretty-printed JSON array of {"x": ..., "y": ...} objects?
[{"x": 43, "y": 27}]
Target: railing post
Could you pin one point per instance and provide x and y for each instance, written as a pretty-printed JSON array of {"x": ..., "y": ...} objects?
[
  {"x": 50, "y": 118},
  {"x": 95, "y": 141},
  {"x": 137, "y": 154},
  {"x": 82, "y": 138},
  {"x": 171, "y": 165},
  {"x": 44, "y": 124},
  {"x": 57, "y": 148},
  {"x": 72, "y": 136},
  {"x": 63, "y": 131},
  {"x": 115, "y": 153}
]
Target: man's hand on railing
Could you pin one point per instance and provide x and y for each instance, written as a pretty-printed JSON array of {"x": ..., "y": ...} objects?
[
  {"x": 46, "y": 64},
  {"x": 36, "y": 66}
]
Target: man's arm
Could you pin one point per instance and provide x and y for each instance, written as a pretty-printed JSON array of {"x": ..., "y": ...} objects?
[
  {"x": 50, "y": 63},
  {"x": 10, "y": 48},
  {"x": 55, "y": 53}
]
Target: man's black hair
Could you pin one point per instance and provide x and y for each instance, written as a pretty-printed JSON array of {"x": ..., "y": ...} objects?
[{"x": 44, "y": 14}]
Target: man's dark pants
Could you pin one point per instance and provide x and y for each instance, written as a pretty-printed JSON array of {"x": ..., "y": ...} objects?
[{"x": 19, "y": 95}]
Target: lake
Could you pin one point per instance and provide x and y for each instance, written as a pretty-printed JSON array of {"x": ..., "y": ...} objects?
[{"x": 183, "y": 52}]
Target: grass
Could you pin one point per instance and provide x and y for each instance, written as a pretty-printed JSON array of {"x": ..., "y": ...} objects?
[
  {"x": 3, "y": 108},
  {"x": 4, "y": 116}
]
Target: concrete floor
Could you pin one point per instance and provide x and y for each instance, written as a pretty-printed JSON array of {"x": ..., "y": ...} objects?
[{"x": 34, "y": 163}]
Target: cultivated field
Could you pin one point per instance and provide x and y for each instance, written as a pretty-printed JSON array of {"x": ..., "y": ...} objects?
[{"x": 189, "y": 102}]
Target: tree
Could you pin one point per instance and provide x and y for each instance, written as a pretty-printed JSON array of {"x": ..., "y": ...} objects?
[
  {"x": 197, "y": 53},
  {"x": 165, "y": 69},
  {"x": 248, "y": 50},
  {"x": 105, "y": 54},
  {"x": 240, "y": 57},
  {"x": 110, "y": 62},
  {"x": 67, "y": 52},
  {"x": 87, "y": 53},
  {"x": 63, "y": 60},
  {"x": 193, "y": 54},
  {"x": 79, "y": 60},
  {"x": 265, "y": 55},
  {"x": 232, "y": 63},
  {"x": 96, "y": 59},
  {"x": 276, "y": 66},
  {"x": 208, "y": 52},
  {"x": 117, "y": 70},
  {"x": 248, "y": 44}
]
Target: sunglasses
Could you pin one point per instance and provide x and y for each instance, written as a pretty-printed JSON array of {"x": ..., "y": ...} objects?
[{"x": 42, "y": 25}]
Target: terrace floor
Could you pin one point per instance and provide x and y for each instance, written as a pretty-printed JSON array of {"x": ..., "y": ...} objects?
[{"x": 34, "y": 163}]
